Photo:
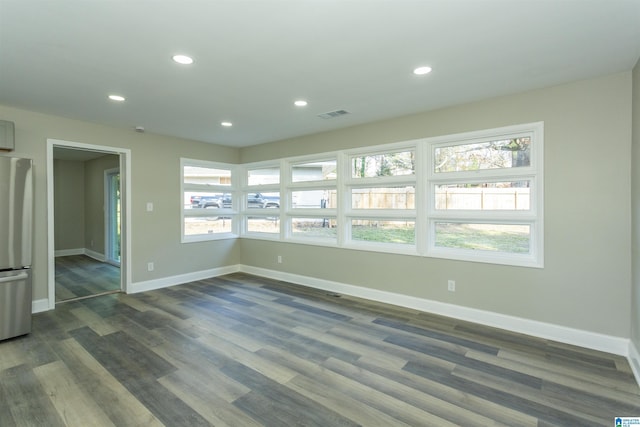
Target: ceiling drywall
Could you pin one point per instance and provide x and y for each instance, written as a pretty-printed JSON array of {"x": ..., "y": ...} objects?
[{"x": 253, "y": 59}]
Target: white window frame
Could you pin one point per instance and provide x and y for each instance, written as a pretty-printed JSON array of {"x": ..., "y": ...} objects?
[
  {"x": 425, "y": 215},
  {"x": 247, "y": 189},
  {"x": 348, "y": 214},
  {"x": 533, "y": 217},
  {"x": 194, "y": 213},
  {"x": 291, "y": 212}
]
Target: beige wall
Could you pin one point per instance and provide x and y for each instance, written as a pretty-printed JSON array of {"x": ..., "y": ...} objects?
[
  {"x": 68, "y": 204},
  {"x": 155, "y": 163},
  {"x": 586, "y": 280},
  {"x": 635, "y": 200}
]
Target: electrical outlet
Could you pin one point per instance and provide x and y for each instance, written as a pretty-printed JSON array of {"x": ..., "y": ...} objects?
[
  {"x": 451, "y": 285},
  {"x": 279, "y": 259},
  {"x": 150, "y": 266}
]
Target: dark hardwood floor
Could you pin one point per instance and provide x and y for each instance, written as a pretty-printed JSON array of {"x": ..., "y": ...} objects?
[
  {"x": 241, "y": 350},
  {"x": 79, "y": 276}
]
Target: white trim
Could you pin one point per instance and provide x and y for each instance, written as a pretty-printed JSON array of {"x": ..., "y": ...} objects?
[
  {"x": 40, "y": 305},
  {"x": 165, "y": 282},
  {"x": 586, "y": 339},
  {"x": 634, "y": 360},
  {"x": 69, "y": 252},
  {"x": 125, "y": 197},
  {"x": 81, "y": 251},
  {"x": 95, "y": 255}
]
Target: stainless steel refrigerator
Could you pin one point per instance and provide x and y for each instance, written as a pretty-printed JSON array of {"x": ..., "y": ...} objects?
[{"x": 16, "y": 223}]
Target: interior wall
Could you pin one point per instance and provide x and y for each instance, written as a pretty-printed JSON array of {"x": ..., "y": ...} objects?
[
  {"x": 68, "y": 204},
  {"x": 94, "y": 230},
  {"x": 635, "y": 200},
  {"x": 155, "y": 165},
  {"x": 585, "y": 283}
]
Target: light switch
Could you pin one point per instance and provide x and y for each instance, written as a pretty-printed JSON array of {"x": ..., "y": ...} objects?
[{"x": 149, "y": 207}]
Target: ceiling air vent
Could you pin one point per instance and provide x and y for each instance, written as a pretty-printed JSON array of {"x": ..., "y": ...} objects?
[{"x": 333, "y": 114}]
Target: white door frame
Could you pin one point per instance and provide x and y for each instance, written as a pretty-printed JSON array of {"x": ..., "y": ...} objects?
[{"x": 125, "y": 200}]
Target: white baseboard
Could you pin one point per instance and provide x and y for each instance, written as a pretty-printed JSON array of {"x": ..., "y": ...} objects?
[
  {"x": 40, "y": 305},
  {"x": 81, "y": 251},
  {"x": 634, "y": 360},
  {"x": 69, "y": 252},
  {"x": 164, "y": 282},
  {"x": 592, "y": 340},
  {"x": 95, "y": 255}
]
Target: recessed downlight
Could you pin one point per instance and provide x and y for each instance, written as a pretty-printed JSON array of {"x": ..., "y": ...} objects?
[
  {"x": 183, "y": 59},
  {"x": 226, "y": 124},
  {"x": 300, "y": 103},
  {"x": 421, "y": 71},
  {"x": 118, "y": 98}
]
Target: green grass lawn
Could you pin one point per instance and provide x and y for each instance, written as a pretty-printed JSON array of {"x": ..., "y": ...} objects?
[
  {"x": 406, "y": 235},
  {"x": 486, "y": 237}
]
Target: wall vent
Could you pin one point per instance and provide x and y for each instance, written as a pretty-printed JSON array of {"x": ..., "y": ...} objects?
[{"x": 333, "y": 114}]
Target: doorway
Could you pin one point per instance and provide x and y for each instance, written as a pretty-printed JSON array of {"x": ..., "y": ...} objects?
[{"x": 88, "y": 205}]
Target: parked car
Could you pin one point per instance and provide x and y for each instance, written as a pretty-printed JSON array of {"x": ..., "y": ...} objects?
[
  {"x": 215, "y": 201},
  {"x": 259, "y": 200},
  {"x": 254, "y": 200}
]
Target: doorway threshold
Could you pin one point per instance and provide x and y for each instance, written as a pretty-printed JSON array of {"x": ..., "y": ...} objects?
[{"x": 118, "y": 291}]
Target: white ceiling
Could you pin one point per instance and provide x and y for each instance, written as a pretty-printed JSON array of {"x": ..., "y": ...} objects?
[{"x": 254, "y": 58}]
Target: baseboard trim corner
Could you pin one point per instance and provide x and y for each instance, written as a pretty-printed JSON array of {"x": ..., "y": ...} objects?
[
  {"x": 69, "y": 252},
  {"x": 40, "y": 305},
  {"x": 634, "y": 360},
  {"x": 586, "y": 339},
  {"x": 164, "y": 282}
]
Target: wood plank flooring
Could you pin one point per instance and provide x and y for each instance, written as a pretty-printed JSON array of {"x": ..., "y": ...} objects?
[
  {"x": 240, "y": 350},
  {"x": 79, "y": 276}
]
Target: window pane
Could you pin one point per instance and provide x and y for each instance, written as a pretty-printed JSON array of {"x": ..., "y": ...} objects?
[
  {"x": 263, "y": 225},
  {"x": 263, "y": 200},
  {"x": 264, "y": 176},
  {"x": 487, "y": 237},
  {"x": 314, "y": 199},
  {"x": 514, "y": 195},
  {"x": 499, "y": 154},
  {"x": 388, "y": 164},
  {"x": 383, "y": 231},
  {"x": 207, "y": 200},
  {"x": 206, "y": 225},
  {"x": 206, "y": 176},
  {"x": 314, "y": 171},
  {"x": 314, "y": 227},
  {"x": 384, "y": 198}
]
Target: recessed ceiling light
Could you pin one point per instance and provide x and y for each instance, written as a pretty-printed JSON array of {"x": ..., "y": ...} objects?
[
  {"x": 422, "y": 71},
  {"x": 183, "y": 59},
  {"x": 226, "y": 124},
  {"x": 301, "y": 103},
  {"x": 116, "y": 98}
]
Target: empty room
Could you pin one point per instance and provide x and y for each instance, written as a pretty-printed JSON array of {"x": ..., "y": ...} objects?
[{"x": 319, "y": 213}]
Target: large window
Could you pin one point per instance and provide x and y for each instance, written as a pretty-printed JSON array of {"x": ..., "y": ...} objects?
[
  {"x": 208, "y": 201},
  {"x": 312, "y": 211},
  {"x": 475, "y": 196},
  {"x": 261, "y": 201},
  {"x": 486, "y": 196},
  {"x": 381, "y": 199}
]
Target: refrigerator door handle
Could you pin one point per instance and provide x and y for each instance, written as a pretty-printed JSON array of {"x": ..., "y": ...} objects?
[{"x": 20, "y": 276}]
